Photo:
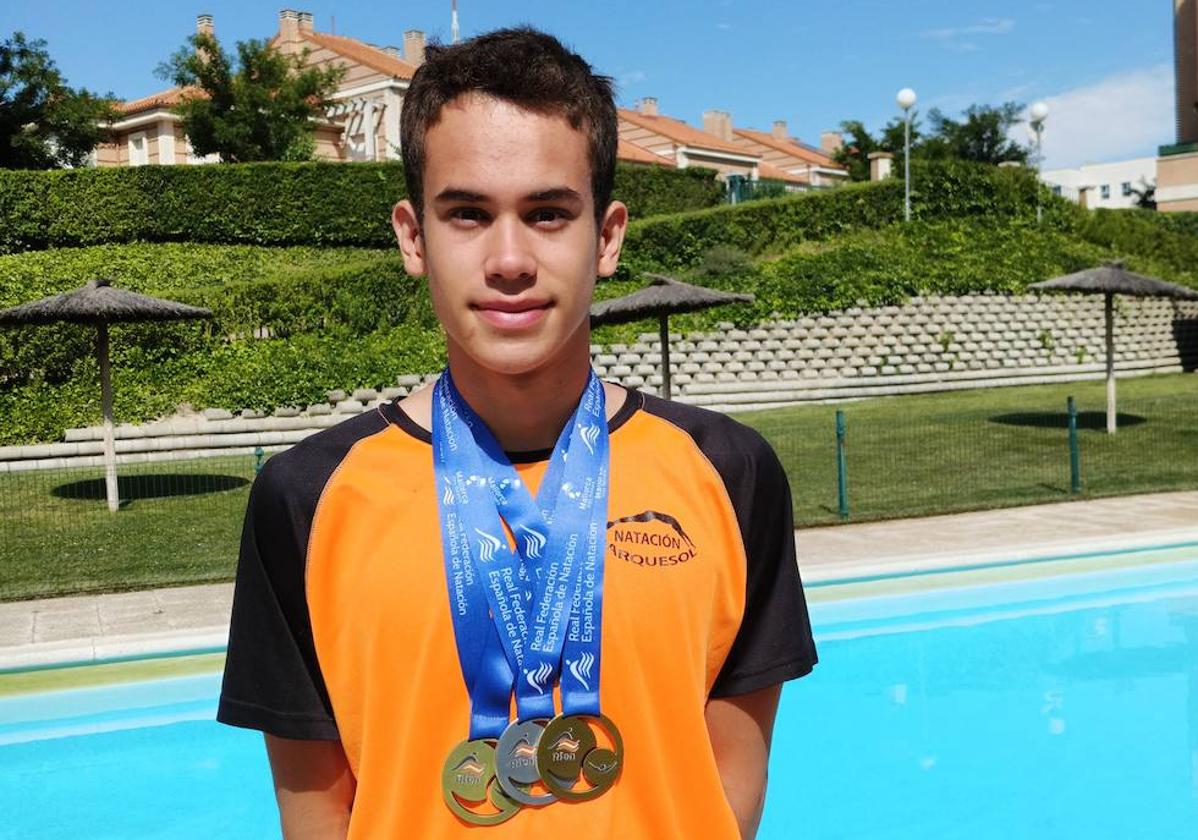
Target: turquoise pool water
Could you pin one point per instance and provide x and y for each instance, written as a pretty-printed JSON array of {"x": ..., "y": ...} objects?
[{"x": 1064, "y": 707}]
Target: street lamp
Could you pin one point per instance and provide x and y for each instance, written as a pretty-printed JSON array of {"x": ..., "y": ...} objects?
[
  {"x": 1039, "y": 113},
  {"x": 906, "y": 100}
]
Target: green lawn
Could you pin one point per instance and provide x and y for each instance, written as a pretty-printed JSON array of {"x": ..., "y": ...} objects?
[
  {"x": 180, "y": 524},
  {"x": 906, "y": 456},
  {"x": 936, "y": 453}
]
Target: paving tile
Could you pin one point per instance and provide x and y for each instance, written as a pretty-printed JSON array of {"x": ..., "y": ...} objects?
[{"x": 16, "y": 628}]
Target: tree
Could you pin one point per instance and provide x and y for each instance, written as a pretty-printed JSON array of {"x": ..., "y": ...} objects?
[
  {"x": 982, "y": 136},
  {"x": 44, "y": 123},
  {"x": 859, "y": 143},
  {"x": 262, "y": 110},
  {"x": 1145, "y": 194}
]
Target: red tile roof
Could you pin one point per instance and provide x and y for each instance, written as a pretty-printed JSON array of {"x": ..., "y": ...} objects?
[
  {"x": 680, "y": 132},
  {"x": 162, "y": 99},
  {"x": 787, "y": 146},
  {"x": 631, "y": 152},
  {"x": 363, "y": 54},
  {"x": 776, "y": 173}
]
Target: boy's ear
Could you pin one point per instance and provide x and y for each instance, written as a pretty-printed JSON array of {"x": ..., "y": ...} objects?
[
  {"x": 611, "y": 238},
  {"x": 407, "y": 232}
]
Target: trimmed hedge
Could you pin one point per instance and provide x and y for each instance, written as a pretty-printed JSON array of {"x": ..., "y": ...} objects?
[
  {"x": 257, "y": 203},
  {"x": 286, "y": 290},
  {"x": 1150, "y": 240},
  {"x": 251, "y": 374},
  {"x": 950, "y": 189}
]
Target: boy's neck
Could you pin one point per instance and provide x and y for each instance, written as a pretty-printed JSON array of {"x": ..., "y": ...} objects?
[{"x": 527, "y": 412}]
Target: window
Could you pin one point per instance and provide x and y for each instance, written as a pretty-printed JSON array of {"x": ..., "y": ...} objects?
[
  {"x": 139, "y": 155},
  {"x": 1056, "y": 189},
  {"x": 1126, "y": 188},
  {"x": 1105, "y": 190}
]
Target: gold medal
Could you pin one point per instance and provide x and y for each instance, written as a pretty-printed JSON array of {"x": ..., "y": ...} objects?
[
  {"x": 470, "y": 788},
  {"x": 575, "y": 763}
]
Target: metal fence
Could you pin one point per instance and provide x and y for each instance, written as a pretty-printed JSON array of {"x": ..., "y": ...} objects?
[
  {"x": 856, "y": 462},
  {"x": 915, "y": 455}
]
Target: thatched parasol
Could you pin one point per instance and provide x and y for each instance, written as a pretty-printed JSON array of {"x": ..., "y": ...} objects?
[
  {"x": 1109, "y": 280},
  {"x": 663, "y": 297},
  {"x": 100, "y": 303}
]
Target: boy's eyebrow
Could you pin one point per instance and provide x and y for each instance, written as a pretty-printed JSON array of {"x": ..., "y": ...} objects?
[
  {"x": 456, "y": 194},
  {"x": 555, "y": 194},
  {"x": 551, "y": 194}
]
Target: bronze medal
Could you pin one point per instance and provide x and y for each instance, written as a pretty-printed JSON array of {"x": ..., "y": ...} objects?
[
  {"x": 470, "y": 788},
  {"x": 574, "y": 764}
]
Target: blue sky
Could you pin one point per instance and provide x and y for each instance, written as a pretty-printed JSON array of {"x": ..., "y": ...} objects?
[{"x": 1104, "y": 66}]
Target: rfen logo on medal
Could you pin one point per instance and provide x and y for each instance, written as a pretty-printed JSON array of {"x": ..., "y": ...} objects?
[{"x": 650, "y": 539}]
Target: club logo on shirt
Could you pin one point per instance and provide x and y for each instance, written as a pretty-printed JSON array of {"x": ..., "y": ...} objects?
[{"x": 650, "y": 539}]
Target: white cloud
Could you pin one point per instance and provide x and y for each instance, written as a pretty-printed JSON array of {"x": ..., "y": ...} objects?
[
  {"x": 632, "y": 77},
  {"x": 986, "y": 26},
  {"x": 724, "y": 26},
  {"x": 1122, "y": 116}
]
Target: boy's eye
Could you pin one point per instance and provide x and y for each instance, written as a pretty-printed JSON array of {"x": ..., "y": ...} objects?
[
  {"x": 468, "y": 214},
  {"x": 547, "y": 216}
]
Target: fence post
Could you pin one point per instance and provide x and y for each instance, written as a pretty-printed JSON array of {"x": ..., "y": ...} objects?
[
  {"x": 842, "y": 473},
  {"x": 1075, "y": 461}
]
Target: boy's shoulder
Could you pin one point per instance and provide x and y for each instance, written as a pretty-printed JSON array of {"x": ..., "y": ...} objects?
[
  {"x": 298, "y": 475},
  {"x": 730, "y": 445}
]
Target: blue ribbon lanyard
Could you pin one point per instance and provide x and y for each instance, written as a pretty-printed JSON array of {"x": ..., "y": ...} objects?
[{"x": 546, "y": 596}]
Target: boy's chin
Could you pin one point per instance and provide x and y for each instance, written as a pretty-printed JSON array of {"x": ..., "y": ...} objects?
[{"x": 519, "y": 359}]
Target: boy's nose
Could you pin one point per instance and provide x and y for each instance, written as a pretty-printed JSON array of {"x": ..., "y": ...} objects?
[{"x": 510, "y": 257}]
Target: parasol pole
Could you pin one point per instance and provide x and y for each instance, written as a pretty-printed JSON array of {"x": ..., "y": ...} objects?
[
  {"x": 1110, "y": 362},
  {"x": 663, "y": 321},
  {"x": 110, "y": 487}
]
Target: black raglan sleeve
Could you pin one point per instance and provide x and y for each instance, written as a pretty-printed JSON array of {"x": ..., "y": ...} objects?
[
  {"x": 272, "y": 680},
  {"x": 774, "y": 643}
]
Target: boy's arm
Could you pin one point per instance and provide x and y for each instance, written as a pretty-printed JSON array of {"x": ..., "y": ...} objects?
[
  {"x": 741, "y": 728},
  {"x": 313, "y": 786}
]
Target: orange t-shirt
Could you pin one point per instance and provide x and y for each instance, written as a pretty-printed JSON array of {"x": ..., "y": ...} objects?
[{"x": 341, "y": 624}]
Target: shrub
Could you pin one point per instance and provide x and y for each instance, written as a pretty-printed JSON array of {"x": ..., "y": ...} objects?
[
  {"x": 303, "y": 203},
  {"x": 943, "y": 190}
]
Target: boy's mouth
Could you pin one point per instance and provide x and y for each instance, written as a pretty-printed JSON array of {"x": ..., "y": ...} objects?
[{"x": 512, "y": 314}]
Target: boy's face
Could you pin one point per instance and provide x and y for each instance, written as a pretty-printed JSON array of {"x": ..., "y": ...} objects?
[{"x": 508, "y": 239}]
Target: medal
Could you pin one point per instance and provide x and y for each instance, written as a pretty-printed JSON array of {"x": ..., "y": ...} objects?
[
  {"x": 525, "y": 615},
  {"x": 516, "y": 762},
  {"x": 574, "y": 765},
  {"x": 469, "y": 786}
]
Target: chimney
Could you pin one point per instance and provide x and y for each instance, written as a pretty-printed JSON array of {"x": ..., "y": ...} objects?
[
  {"x": 649, "y": 106},
  {"x": 880, "y": 165},
  {"x": 718, "y": 123},
  {"x": 205, "y": 25},
  {"x": 391, "y": 49},
  {"x": 413, "y": 46},
  {"x": 305, "y": 21},
  {"x": 288, "y": 25},
  {"x": 779, "y": 131},
  {"x": 830, "y": 141}
]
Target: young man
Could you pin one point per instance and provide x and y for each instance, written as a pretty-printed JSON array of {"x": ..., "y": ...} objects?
[{"x": 348, "y": 645}]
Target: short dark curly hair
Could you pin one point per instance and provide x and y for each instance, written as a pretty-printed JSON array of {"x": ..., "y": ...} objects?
[{"x": 526, "y": 67}]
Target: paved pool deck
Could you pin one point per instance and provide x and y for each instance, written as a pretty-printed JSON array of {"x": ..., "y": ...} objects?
[{"x": 96, "y": 628}]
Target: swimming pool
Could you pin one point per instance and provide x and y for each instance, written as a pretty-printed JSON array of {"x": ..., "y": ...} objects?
[{"x": 1061, "y": 706}]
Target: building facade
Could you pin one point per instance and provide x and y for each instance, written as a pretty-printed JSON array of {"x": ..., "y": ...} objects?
[
  {"x": 1110, "y": 185},
  {"x": 363, "y": 122},
  {"x": 1177, "y": 166}
]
